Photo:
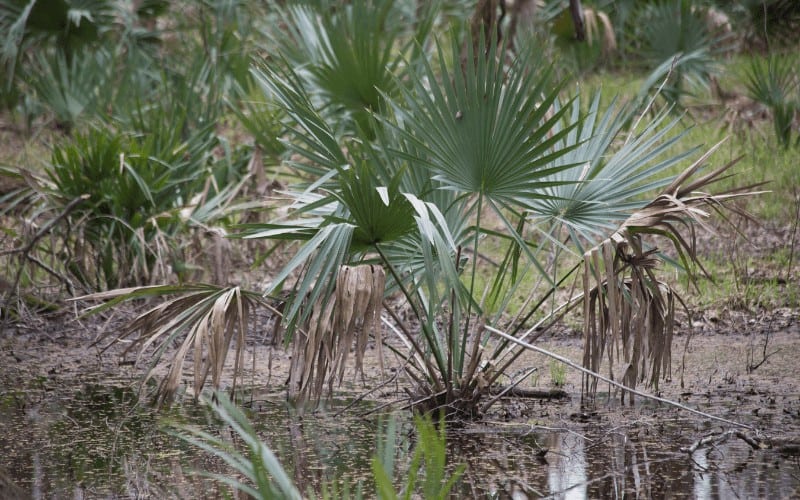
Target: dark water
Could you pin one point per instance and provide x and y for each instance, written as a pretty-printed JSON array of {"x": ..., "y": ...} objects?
[
  {"x": 98, "y": 443},
  {"x": 626, "y": 463}
]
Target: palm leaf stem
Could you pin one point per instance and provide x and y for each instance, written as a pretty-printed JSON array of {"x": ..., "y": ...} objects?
[
  {"x": 424, "y": 325},
  {"x": 501, "y": 351},
  {"x": 568, "y": 362},
  {"x": 465, "y": 332},
  {"x": 407, "y": 339}
]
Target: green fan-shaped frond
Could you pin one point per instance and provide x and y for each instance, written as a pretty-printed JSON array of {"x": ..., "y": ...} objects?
[
  {"x": 612, "y": 180},
  {"x": 482, "y": 130}
]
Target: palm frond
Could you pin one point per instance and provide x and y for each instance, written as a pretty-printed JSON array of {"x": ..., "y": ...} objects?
[
  {"x": 629, "y": 315},
  {"x": 591, "y": 200},
  {"x": 204, "y": 320},
  {"x": 484, "y": 130},
  {"x": 335, "y": 327},
  {"x": 314, "y": 139},
  {"x": 352, "y": 57},
  {"x": 674, "y": 33},
  {"x": 774, "y": 83},
  {"x": 69, "y": 88}
]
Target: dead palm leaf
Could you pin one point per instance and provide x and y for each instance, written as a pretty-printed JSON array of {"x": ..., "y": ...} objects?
[
  {"x": 629, "y": 315},
  {"x": 204, "y": 320},
  {"x": 335, "y": 327},
  {"x": 600, "y": 28}
]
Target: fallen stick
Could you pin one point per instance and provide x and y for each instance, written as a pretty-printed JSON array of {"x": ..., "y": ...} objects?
[
  {"x": 614, "y": 383},
  {"x": 719, "y": 437},
  {"x": 519, "y": 392}
]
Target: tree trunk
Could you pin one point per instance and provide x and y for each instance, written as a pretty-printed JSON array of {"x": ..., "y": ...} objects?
[{"x": 576, "y": 10}]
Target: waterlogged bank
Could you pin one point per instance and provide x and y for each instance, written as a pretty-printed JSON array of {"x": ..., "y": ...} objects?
[
  {"x": 71, "y": 427},
  {"x": 97, "y": 443}
]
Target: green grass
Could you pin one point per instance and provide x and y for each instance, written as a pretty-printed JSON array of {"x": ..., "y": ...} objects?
[
  {"x": 763, "y": 159},
  {"x": 749, "y": 282},
  {"x": 558, "y": 373}
]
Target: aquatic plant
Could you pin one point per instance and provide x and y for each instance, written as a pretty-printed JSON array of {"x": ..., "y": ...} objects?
[{"x": 266, "y": 478}]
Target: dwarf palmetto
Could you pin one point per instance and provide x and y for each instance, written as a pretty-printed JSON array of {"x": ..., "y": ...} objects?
[{"x": 469, "y": 154}]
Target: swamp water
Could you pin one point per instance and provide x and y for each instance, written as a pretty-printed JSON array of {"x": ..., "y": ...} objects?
[{"x": 98, "y": 443}]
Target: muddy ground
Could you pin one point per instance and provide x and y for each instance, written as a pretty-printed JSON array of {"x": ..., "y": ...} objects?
[
  {"x": 737, "y": 365},
  {"x": 742, "y": 358},
  {"x": 51, "y": 356}
]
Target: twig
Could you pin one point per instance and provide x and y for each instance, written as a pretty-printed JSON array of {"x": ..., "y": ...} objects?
[
  {"x": 612, "y": 382},
  {"x": 511, "y": 386},
  {"x": 794, "y": 234},
  {"x": 41, "y": 233},
  {"x": 751, "y": 365},
  {"x": 53, "y": 272},
  {"x": 47, "y": 226},
  {"x": 532, "y": 393},
  {"x": 719, "y": 437},
  {"x": 25, "y": 250},
  {"x": 367, "y": 393},
  {"x": 652, "y": 99}
]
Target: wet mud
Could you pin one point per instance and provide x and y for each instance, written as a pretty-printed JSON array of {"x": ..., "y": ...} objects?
[{"x": 72, "y": 426}]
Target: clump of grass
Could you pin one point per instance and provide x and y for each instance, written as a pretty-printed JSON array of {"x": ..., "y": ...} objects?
[{"x": 558, "y": 373}]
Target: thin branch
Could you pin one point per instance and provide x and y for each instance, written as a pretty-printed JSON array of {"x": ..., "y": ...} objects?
[
  {"x": 794, "y": 234},
  {"x": 367, "y": 393},
  {"x": 612, "y": 382},
  {"x": 48, "y": 226},
  {"x": 717, "y": 438},
  {"x": 25, "y": 250},
  {"x": 652, "y": 100},
  {"x": 751, "y": 364},
  {"x": 53, "y": 272},
  {"x": 511, "y": 386}
]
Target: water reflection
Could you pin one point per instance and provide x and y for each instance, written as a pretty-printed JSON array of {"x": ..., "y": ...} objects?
[
  {"x": 567, "y": 472},
  {"x": 638, "y": 461},
  {"x": 98, "y": 443}
]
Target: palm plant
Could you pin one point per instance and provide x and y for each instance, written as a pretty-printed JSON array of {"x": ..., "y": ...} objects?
[
  {"x": 70, "y": 24},
  {"x": 72, "y": 90},
  {"x": 468, "y": 155},
  {"x": 374, "y": 208},
  {"x": 773, "y": 83},
  {"x": 674, "y": 33},
  {"x": 485, "y": 144},
  {"x": 135, "y": 189}
]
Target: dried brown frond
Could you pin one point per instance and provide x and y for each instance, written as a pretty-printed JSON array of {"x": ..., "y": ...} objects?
[
  {"x": 204, "y": 320},
  {"x": 599, "y": 27},
  {"x": 343, "y": 323},
  {"x": 629, "y": 315}
]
